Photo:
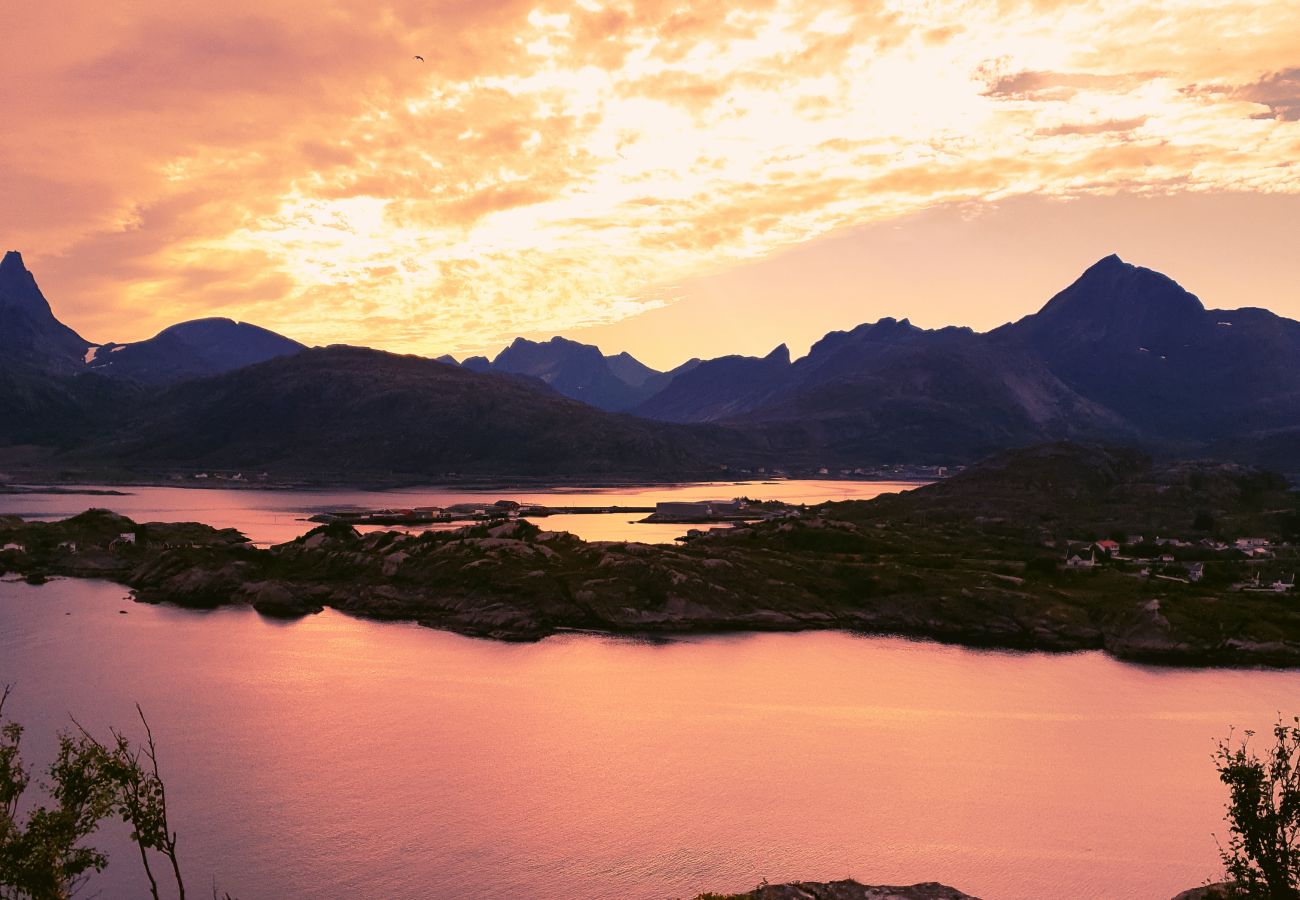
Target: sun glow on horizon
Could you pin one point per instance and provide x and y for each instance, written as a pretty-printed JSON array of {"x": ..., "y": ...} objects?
[{"x": 566, "y": 165}]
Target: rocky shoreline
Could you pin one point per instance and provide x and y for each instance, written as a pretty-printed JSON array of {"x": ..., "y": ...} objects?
[
  {"x": 974, "y": 561},
  {"x": 845, "y": 890},
  {"x": 930, "y": 890},
  {"x": 514, "y": 581}
]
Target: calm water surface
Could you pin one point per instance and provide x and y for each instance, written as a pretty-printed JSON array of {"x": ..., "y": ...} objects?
[
  {"x": 268, "y": 516},
  {"x": 333, "y": 757}
]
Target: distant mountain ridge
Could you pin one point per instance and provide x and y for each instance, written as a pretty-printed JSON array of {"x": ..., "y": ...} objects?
[
  {"x": 32, "y": 337},
  {"x": 580, "y": 371},
  {"x": 1122, "y": 355},
  {"x": 718, "y": 389}
]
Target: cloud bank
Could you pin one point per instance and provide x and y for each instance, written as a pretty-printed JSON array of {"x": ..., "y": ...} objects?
[{"x": 554, "y": 166}]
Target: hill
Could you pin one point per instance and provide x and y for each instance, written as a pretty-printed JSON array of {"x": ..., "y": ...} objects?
[
  {"x": 343, "y": 410},
  {"x": 1089, "y": 489},
  {"x": 190, "y": 350}
]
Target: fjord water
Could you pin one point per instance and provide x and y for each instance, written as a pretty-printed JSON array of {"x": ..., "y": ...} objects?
[
  {"x": 333, "y": 757},
  {"x": 274, "y": 516}
]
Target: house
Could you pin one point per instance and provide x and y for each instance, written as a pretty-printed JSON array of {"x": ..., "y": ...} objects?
[
  {"x": 126, "y": 538},
  {"x": 12, "y": 546},
  {"x": 1251, "y": 543},
  {"x": 68, "y": 545},
  {"x": 1107, "y": 547},
  {"x": 1195, "y": 571},
  {"x": 1078, "y": 562}
]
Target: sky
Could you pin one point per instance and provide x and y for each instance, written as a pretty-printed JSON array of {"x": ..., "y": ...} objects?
[{"x": 675, "y": 179}]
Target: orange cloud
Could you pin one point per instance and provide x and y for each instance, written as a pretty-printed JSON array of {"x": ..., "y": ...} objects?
[{"x": 562, "y": 164}]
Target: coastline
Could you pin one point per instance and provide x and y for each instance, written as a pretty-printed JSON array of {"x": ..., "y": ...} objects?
[{"x": 515, "y": 582}]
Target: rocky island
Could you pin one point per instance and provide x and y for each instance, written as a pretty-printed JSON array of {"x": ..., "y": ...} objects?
[
  {"x": 1058, "y": 547},
  {"x": 844, "y": 890}
]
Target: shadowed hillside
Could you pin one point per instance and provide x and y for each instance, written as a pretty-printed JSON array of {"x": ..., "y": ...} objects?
[{"x": 346, "y": 409}]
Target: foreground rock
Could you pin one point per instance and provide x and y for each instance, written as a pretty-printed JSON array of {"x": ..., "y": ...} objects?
[
  {"x": 975, "y": 561},
  {"x": 844, "y": 890}
]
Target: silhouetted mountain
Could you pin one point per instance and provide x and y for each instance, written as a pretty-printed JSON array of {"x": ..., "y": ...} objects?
[
  {"x": 575, "y": 370},
  {"x": 580, "y": 371},
  {"x": 890, "y": 391},
  {"x": 1138, "y": 343},
  {"x": 1122, "y": 354},
  {"x": 718, "y": 389},
  {"x": 630, "y": 370},
  {"x": 29, "y": 333},
  {"x": 189, "y": 350},
  {"x": 345, "y": 410}
]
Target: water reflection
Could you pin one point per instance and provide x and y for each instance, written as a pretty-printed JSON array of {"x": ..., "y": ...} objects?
[
  {"x": 337, "y": 757},
  {"x": 268, "y": 516}
]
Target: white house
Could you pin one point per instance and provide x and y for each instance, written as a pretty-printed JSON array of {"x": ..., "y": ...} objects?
[{"x": 1078, "y": 562}]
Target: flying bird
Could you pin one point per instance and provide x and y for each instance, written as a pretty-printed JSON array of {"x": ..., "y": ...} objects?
[{"x": 420, "y": 58}]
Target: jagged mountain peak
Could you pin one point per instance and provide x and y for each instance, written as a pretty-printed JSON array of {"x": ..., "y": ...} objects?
[
  {"x": 1113, "y": 288},
  {"x": 29, "y": 332},
  {"x": 780, "y": 353},
  {"x": 12, "y": 260},
  {"x": 18, "y": 285}
]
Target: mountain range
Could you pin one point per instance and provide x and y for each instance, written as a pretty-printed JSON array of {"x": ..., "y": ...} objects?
[
  {"x": 1124, "y": 354},
  {"x": 581, "y": 371}
]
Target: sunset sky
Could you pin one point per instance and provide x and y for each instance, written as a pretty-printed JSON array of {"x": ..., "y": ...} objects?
[{"x": 674, "y": 179}]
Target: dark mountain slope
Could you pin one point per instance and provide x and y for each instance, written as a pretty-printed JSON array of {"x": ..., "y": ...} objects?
[
  {"x": 717, "y": 389},
  {"x": 60, "y": 411},
  {"x": 891, "y": 391},
  {"x": 342, "y": 410},
  {"x": 580, "y": 371},
  {"x": 190, "y": 350},
  {"x": 575, "y": 370},
  {"x": 1135, "y": 341},
  {"x": 29, "y": 333},
  {"x": 630, "y": 370}
]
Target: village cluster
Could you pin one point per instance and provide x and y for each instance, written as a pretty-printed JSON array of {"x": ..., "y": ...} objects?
[{"x": 1178, "y": 560}]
